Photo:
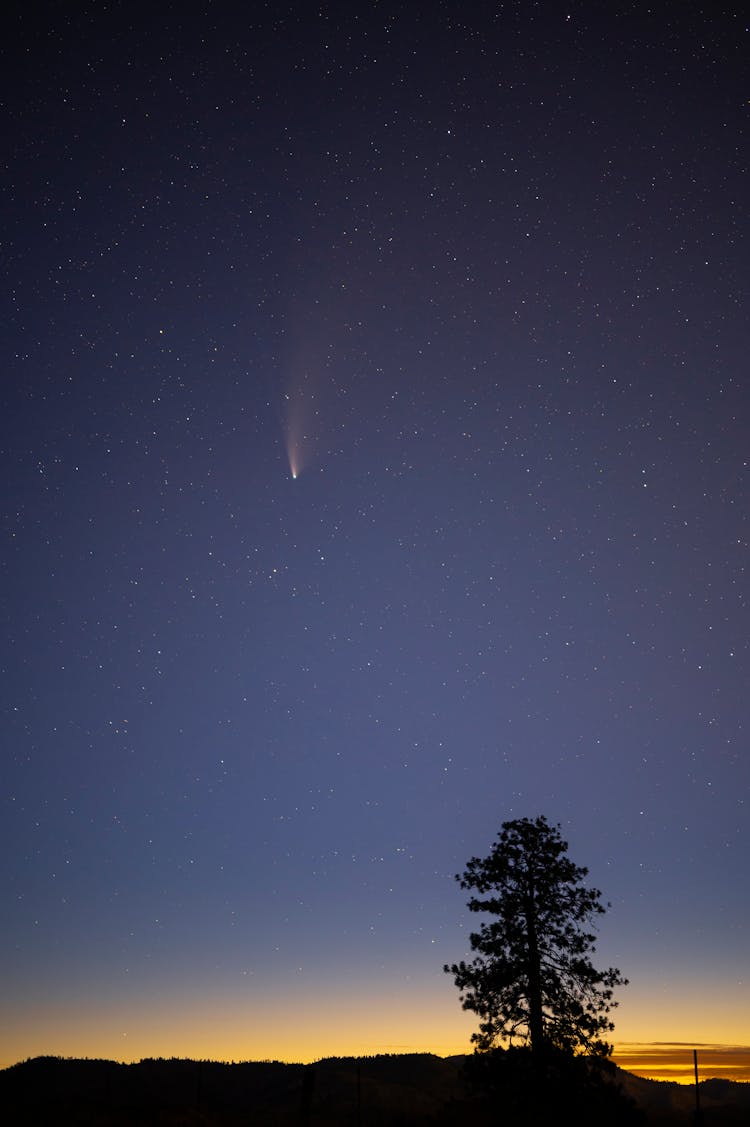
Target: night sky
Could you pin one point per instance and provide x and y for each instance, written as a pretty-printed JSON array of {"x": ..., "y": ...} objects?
[{"x": 375, "y": 435}]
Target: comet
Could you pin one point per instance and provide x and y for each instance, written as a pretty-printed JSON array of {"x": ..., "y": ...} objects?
[
  {"x": 304, "y": 422},
  {"x": 295, "y": 437}
]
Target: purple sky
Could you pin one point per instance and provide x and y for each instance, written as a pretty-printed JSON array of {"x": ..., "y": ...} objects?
[{"x": 477, "y": 273}]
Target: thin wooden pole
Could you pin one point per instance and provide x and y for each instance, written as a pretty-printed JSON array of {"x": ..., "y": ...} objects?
[
  {"x": 359, "y": 1093},
  {"x": 697, "y": 1089}
]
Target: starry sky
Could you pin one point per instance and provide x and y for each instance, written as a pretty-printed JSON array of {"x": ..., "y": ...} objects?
[{"x": 375, "y": 435}]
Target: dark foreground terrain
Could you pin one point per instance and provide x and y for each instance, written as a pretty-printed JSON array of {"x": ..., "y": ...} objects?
[{"x": 383, "y": 1091}]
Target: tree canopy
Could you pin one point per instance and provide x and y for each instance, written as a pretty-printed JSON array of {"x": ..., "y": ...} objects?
[{"x": 532, "y": 977}]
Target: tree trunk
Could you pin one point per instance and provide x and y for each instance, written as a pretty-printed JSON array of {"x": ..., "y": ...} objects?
[{"x": 536, "y": 1019}]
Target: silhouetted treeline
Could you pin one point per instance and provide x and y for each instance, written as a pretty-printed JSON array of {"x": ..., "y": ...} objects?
[
  {"x": 382, "y": 1091},
  {"x": 371, "y": 1091}
]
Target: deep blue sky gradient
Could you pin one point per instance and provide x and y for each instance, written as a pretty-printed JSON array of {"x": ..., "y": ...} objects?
[{"x": 480, "y": 271}]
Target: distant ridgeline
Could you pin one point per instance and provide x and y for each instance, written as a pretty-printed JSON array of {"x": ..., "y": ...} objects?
[
  {"x": 398, "y": 1090},
  {"x": 395, "y": 1089}
]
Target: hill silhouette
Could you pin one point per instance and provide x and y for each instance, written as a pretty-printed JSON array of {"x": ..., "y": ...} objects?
[{"x": 381, "y": 1091}]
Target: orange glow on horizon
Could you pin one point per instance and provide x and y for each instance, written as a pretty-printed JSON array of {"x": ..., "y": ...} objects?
[
  {"x": 232, "y": 1023},
  {"x": 297, "y": 1029},
  {"x": 664, "y": 1061},
  {"x": 650, "y": 1061}
]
